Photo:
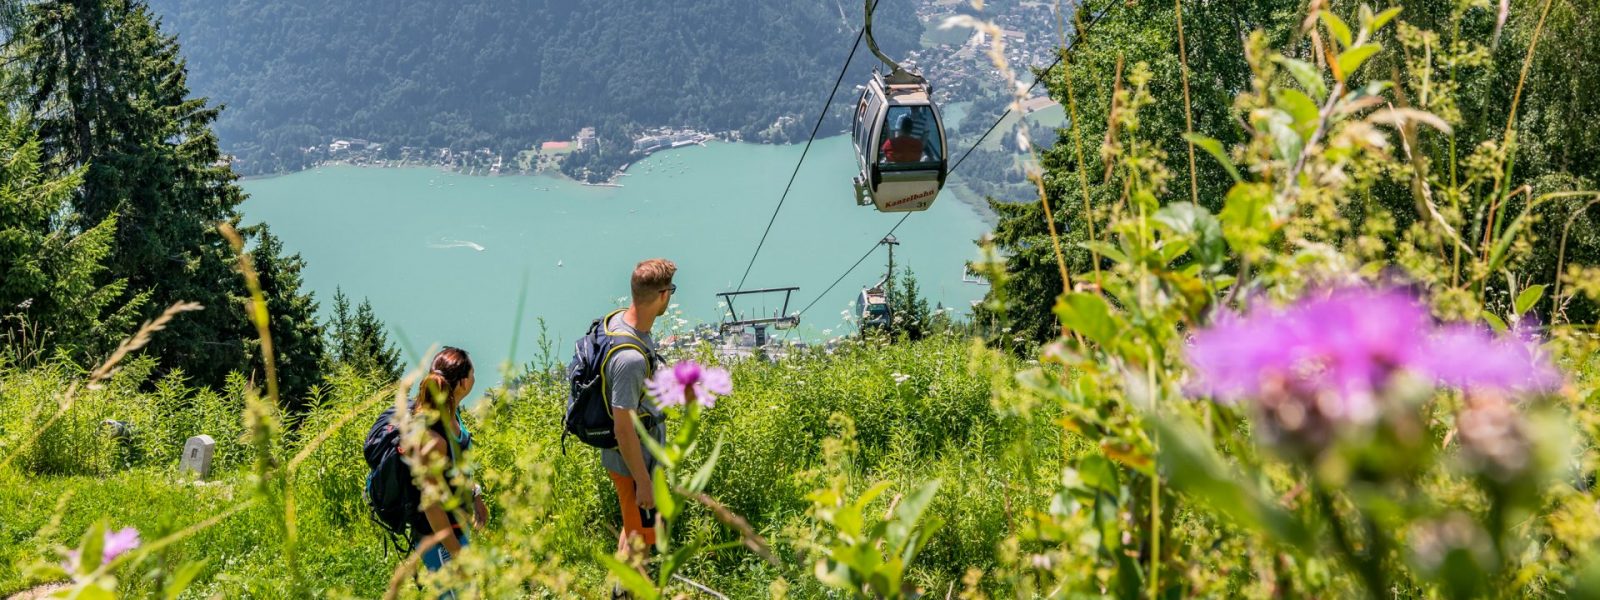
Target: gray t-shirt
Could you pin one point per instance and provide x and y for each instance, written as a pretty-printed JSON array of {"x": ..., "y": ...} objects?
[{"x": 625, "y": 377}]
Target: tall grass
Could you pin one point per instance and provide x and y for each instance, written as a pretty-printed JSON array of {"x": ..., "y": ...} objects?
[{"x": 919, "y": 415}]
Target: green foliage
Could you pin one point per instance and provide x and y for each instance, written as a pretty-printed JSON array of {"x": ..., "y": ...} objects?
[
  {"x": 921, "y": 414},
  {"x": 1395, "y": 508},
  {"x": 111, "y": 103},
  {"x": 862, "y": 559},
  {"x": 297, "y": 339},
  {"x": 1452, "y": 68},
  {"x": 50, "y": 301},
  {"x": 359, "y": 340},
  {"x": 912, "y": 318},
  {"x": 1089, "y": 471}
]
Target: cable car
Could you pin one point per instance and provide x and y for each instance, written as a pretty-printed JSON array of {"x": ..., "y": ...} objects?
[
  {"x": 872, "y": 308},
  {"x": 899, "y": 139}
]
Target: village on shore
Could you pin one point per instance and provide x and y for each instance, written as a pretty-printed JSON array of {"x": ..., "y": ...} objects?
[{"x": 960, "y": 63}]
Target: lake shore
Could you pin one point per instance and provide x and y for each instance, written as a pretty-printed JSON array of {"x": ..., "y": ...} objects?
[
  {"x": 482, "y": 240},
  {"x": 961, "y": 193}
]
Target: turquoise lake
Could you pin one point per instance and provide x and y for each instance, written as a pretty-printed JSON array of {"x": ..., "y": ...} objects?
[{"x": 443, "y": 257}]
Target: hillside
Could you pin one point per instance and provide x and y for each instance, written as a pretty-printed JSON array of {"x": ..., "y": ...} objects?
[{"x": 465, "y": 75}]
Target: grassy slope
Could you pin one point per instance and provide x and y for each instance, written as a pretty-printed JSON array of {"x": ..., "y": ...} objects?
[{"x": 938, "y": 424}]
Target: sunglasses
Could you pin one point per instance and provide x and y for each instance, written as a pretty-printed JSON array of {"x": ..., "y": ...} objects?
[{"x": 671, "y": 289}]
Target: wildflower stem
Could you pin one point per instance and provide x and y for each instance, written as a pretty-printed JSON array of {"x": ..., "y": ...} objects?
[
  {"x": 1558, "y": 310},
  {"x": 1077, "y": 134},
  {"x": 1155, "y": 486},
  {"x": 1188, "y": 112},
  {"x": 409, "y": 565},
  {"x": 1364, "y": 564}
]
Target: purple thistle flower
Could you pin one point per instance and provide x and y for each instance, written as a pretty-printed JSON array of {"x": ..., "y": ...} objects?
[
  {"x": 1347, "y": 341},
  {"x": 1465, "y": 356},
  {"x": 113, "y": 544},
  {"x": 118, "y": 542},
  {"x": 1337, "y": 350},
  {"x": 670, "y": 387}
]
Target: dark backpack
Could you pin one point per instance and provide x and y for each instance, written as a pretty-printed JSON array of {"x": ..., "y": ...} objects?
[
  {"x": 391, "y": 495},
  {"x": 588, "y": 415}
]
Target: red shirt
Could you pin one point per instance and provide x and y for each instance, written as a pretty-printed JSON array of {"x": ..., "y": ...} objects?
[{"x": 902, "y": 149}]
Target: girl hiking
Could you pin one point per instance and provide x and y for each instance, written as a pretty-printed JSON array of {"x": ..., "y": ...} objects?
[{"x": 441, "y": 391}]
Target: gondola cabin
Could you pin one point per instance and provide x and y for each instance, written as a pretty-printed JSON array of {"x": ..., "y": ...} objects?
[
  {"x": 872, "y": 308},
  {"x": 900, "y": 145}
]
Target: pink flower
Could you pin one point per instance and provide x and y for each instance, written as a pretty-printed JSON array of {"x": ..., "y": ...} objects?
[
  {"x": 1464, "y": 356},
  {"x": 1338, "y": 349},
  {"x": 1326, "y": 363},
  {"x": 114, "y": 544},
  {"x": 670, "y": 387},
  {"x": 1347, "y": 340}
]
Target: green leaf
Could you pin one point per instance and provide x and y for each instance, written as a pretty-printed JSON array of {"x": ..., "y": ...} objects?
[
  {"x": 1528, "y": 298},
  {"x": 1215, "y": 149},
  {"x": 1494, "y": 321},
  {"x": 673, "y": 561},
  {"x": 1195, "y": 223},
  {"x": 1337, "y": 27},
  {"x": 182, "y": 578},
  {"x": 1352, "y": 59},
  {"x": 837, "y": 577},
  {"x": 1170, "y": 250},
  {"x": 872, "y": 493},
  {"x": 1090, "y": 316},
  {"x": 1302, "y": 109},
  {"x": 89, "y": 550},
  {"x": 1193, "y": 466},
  {"x": 1097, "y": 472},
  {"x": 919, "y": 539},
  {"x": 1308, "y": 75},
  {"x": 703, "y": 475},
  {"x": 655, "y": 449},
  {"x": 665, "y": 502},
  {"x": 1383, "y": 19},
  {"x": 631, "y": 579},
  {"x": 1108, "y": 250},
  {"x": 1287, "y": 142},
  {"x": 909, "y": 511},
  {"x": 1246, "y": 223}
]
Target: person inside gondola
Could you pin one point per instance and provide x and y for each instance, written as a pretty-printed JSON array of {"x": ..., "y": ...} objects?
[{"x": 905, "y": 146}]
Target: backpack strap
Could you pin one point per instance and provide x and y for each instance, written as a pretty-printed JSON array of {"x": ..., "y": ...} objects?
[{"x": 650, "y": 356}]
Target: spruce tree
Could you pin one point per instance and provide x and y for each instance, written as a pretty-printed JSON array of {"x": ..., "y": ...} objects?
[
  {"x": 109, "y": 93},
  {"x": 50, "y": 303},
  {"x": 358, "y": 340},
  {"x": 292, "y": 320}
]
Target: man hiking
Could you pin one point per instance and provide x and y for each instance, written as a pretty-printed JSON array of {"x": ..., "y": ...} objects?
[{"x": 629, "y": 464}]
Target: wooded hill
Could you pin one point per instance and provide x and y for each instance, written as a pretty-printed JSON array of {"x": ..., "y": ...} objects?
[{"x": 472, "y": 74}]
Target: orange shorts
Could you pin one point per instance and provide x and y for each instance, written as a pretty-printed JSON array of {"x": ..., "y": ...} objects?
[{"x": 633, "y": 519}]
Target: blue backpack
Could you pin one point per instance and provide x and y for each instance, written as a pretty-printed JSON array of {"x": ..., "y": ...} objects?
[{"x": 588, "y": 415}]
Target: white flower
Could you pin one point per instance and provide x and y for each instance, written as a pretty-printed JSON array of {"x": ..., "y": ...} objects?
[{"x": 899, "y": 378}]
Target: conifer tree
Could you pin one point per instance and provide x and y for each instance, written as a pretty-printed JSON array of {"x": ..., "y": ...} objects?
[
  {"x": 296, "y": 337},
  {"x": 50, "y": 303},
  {"x": 358, "y": 339},
  {"x": 108, "y": 90}
]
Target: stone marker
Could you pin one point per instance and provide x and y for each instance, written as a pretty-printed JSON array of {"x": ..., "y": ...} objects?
[{"x": 197, "y": 455}]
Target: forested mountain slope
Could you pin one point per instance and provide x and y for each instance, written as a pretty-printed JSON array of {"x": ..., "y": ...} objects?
[{"x": 501, "y": 75}]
